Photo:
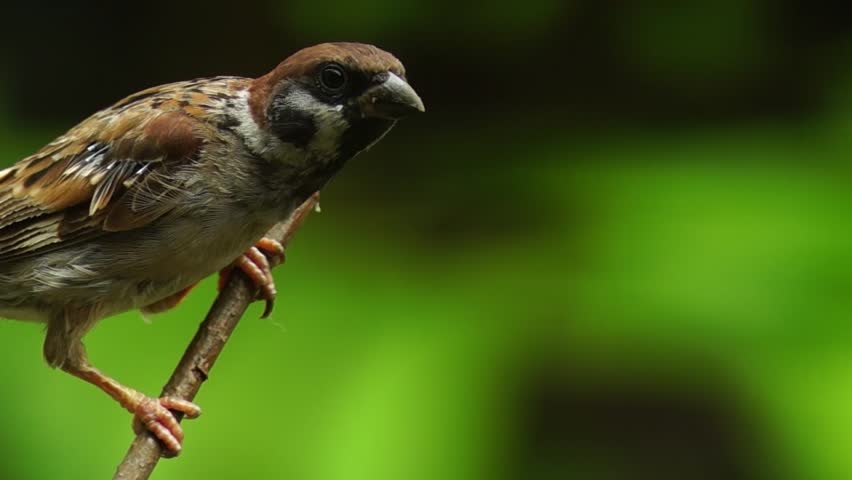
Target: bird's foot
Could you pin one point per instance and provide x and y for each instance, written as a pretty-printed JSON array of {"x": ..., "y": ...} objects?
[
  {"x": 257, "y": 263},
  {"x": 154, "y": 415}
]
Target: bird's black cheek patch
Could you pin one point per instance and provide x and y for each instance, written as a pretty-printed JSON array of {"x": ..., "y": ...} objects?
[
  {"x": 292, "y": 126},
  {"x": 287, "y": 121}
]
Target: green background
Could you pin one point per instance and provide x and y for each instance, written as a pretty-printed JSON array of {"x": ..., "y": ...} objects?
[{"x": 617, "y": 246}]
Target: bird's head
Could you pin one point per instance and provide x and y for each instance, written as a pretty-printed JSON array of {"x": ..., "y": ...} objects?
[{"x": 326, "y": 103}]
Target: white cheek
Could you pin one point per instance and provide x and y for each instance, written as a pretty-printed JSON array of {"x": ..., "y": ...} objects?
[
  {"x": 257, "y": 140},
  {"x": 330, "y": 125},
  {"x": 329, "y": 121}
]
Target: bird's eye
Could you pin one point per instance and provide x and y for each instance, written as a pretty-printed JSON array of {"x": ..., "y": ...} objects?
[{"x": 332, "y": 78}]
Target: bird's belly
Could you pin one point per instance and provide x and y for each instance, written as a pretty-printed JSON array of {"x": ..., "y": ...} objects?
[
  {"x": 126, "y": 270},
  {"x": 180, "y": 257}
]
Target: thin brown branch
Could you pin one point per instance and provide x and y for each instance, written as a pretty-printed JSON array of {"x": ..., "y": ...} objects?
[{"x": 213, "y": 333}]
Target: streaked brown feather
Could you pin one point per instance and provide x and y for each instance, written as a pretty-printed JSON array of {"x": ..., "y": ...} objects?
[
  {"x": 109, "y": 173},
  {"x": 149, "y": 198}
]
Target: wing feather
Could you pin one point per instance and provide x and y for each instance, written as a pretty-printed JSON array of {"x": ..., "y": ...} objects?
[{"x": 107, "y": 174}]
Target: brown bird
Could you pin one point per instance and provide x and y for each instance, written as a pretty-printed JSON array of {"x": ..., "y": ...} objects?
[{"x": 139, "y": 202}]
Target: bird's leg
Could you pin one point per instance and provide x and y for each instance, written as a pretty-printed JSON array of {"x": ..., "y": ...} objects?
[
  {"x": 148, "y": 413},
  {"x": 63, "y": 348},
  {"x": 257, "y": 263}
]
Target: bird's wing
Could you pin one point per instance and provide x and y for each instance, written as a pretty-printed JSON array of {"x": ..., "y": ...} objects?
[{"x": 113, "y": 172}]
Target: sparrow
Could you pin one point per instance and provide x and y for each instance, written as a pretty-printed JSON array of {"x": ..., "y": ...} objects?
[{"x": 139, "y": 202}]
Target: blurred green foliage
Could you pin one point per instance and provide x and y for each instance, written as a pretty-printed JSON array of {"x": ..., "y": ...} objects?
[
  {"x": 339, "y": 17},
  {"x": 638, "y": 270}
]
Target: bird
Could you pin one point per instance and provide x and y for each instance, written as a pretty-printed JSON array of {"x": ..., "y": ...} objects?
[{"x": 132, "y": 207}]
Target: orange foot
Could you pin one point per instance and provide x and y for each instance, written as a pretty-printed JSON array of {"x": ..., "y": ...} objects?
[
  {"x": 153, "y": 414},
  {"x": 257, "y": 264}
]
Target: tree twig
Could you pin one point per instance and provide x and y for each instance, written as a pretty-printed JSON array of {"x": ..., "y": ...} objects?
[{"x": 194, "y": 368}]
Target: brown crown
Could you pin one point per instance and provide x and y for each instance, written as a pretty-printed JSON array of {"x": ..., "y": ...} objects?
[{"x": 356, "y": 56}]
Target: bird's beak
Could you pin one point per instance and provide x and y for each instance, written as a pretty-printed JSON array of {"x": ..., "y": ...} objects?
[{"x": 391, "y": 99}]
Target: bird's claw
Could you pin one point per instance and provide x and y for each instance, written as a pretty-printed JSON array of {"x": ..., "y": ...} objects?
[
  {"x": 154, "y": 415},
  {"x": 257, "y": 263}
]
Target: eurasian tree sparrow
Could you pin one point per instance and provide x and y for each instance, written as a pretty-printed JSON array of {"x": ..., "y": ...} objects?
[{"x": 142, "y": 200}]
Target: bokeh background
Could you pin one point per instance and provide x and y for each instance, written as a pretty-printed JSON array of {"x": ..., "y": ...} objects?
[{"x": 616, "y": 247}]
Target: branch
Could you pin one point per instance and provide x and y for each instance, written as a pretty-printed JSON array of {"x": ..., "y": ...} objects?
[{"x": 213, "y": 333}]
